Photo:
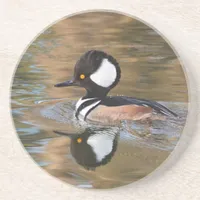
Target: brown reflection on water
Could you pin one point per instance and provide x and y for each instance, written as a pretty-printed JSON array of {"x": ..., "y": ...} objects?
[
  {"x": 130, "y": 163},
  {"x": 150, "y": 70}
]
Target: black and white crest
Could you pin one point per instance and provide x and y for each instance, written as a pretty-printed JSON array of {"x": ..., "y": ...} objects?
[{"x": 100, "y": 70}]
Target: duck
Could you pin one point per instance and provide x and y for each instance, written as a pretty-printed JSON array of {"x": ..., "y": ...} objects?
[
  {"x": 94, "y": 147},
  {"x": 98, "y": 73}
]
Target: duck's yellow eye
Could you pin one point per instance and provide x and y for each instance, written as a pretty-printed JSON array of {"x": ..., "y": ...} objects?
[
  {"x": 79, "y": 140},
  {"x": 82, "y": 76}
]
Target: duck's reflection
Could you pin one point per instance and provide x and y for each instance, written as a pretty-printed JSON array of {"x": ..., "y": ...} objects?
[{"x": 93, "y": 147}]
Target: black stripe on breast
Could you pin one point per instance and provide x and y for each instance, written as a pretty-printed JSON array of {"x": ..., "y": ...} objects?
[
  {"x": 90, "y": 110},
  {"x": 84, "y": 105}
]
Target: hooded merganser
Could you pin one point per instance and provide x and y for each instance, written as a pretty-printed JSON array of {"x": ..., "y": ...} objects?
[
  {"x": 98, "y": 73},
  {"x": 93, "y": 148}
]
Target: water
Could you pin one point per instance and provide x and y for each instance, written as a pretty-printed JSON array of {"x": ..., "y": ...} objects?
[{"x": 150, "y": 70}]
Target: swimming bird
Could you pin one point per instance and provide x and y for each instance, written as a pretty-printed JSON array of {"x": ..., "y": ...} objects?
[{"x": 99, "y": 72}]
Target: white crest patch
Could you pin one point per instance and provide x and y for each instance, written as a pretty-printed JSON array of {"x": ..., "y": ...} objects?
[
  {"x": 101, "y": 144},
  {"x": 105, "y": 75}
]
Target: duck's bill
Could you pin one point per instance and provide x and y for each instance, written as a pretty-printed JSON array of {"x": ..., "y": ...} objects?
[{"x": 66, "y": 84}]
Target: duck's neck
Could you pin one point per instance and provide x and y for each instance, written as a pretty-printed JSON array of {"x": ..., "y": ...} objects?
[{"x": 95, "y": 94}]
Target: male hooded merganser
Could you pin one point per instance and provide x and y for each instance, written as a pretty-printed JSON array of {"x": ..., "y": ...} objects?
[
  {"x": 93, "y": 148},
  {"x": 98, "y": 73}
]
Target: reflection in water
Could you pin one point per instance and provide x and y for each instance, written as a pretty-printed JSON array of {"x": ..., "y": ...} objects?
[
  {"x": 150, "y": 70},
  {"x": 94, "y": 147},
  {"x": 122, "y": 157}
]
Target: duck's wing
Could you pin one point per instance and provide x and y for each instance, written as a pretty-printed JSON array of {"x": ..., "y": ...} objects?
[{"x": 122, "y": 100}]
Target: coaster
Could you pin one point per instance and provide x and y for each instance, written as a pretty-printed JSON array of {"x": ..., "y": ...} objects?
[{"x": 99, "y": 100}]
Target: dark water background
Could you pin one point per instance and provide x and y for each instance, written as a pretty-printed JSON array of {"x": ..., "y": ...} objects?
[{"x": 150, "y": 70}]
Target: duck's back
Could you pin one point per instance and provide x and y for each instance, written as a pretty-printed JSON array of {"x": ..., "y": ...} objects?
[
  {"x": 123, "y": 100},
  {"x": 117, "y": 108}
]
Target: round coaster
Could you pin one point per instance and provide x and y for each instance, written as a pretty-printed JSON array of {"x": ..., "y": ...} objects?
[{"x": 99, "y": 100}]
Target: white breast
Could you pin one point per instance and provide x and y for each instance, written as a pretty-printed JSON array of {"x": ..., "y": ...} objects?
[
  {"x": 80, "y": 102},
  {"x": 86, "y": 109}
]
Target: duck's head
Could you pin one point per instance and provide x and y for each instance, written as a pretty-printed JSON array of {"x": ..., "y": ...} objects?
[
  {"x": 95, "y": 71},
  {"x": 92, "y": 148}
]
